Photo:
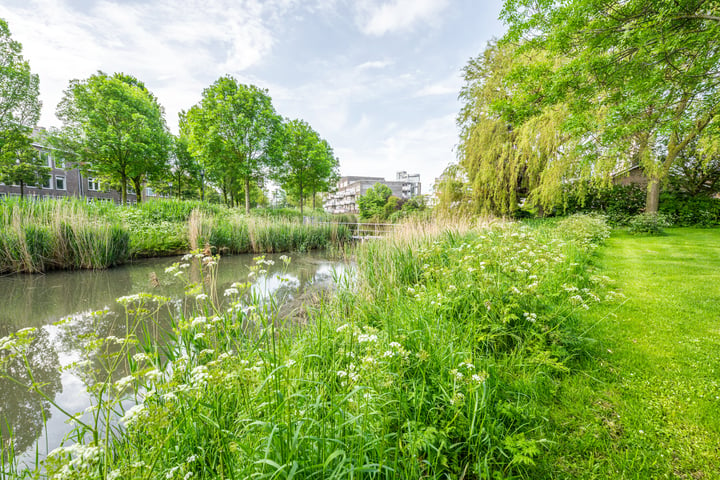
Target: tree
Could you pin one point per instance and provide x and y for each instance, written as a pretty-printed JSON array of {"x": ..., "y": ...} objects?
[
  {"x": 184, "y": 175},
  {"x": 116, "y": 129},
  {"x": 652, "y": 67},
  {"x": 511, "y": 144},
  {"x": 234, "y": 131},
  {"x": 306, "y": 163},
  {"x": 23, "y": 164},
  {"x": 19, "y": 88},
  {"x": 19, "y": 112},
  {"x": 372, "y": 204},
  {"x": 324, "y": 175},
  {"x": 696, "y": 173}
]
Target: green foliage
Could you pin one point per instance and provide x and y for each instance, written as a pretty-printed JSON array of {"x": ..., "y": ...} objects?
[
  {"x": 580, "y": 228},
  {"x": 641, "y": 91},
  {"x": 19, "y": 88},
  {"x": 683, "y": 210},
  {"x": 307, "y": 163},
  {"x": 619, "y": 202},
  {"x": 58, "y": 234},
  {"x": 650, "y": 222},
  {"x": 115, "y": 129},
  {"x": 373, "y": 203},
  {"x": 234, "y": 132}
]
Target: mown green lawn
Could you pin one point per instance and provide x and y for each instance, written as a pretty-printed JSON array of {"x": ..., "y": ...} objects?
[{"x": 646, "y": 403}]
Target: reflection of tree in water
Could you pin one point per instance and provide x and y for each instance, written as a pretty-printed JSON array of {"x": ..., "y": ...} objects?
[{"x": 20, "y": 408}]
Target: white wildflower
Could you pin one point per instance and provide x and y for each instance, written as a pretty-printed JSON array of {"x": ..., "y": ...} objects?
[
  {"x": 365, "y": 337},
  {"x": 133, "y": 414}
]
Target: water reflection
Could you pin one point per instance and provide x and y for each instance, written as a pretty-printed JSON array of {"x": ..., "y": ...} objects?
[{"x": 77, "y": 298}]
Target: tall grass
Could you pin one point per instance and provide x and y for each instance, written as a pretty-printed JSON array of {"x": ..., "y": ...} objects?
[
  {"x": 43, "y": 235},
  {"x": 437, "y": 359},
  {"x": 241, "y": 234},
  {"x": 36, "y": 236}
]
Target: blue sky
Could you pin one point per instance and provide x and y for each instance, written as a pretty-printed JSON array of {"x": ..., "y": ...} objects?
[{"x": 378, "y": 79}]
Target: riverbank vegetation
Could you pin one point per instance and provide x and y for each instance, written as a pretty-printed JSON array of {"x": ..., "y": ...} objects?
[
  {"x": 438, "y": 357},
  {"x": 36, "y": 236}
]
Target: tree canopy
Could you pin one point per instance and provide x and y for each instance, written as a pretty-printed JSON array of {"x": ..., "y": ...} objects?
[
  {"x": 115, "y": 128},
  {"x": 648, "y": 70},
  {"x": 306, "y": 163},
  {"x": 19, "y": 112},
  {"x": 234, "y": 132}
]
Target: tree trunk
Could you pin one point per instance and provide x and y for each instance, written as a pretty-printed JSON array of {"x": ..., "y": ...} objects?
[
  {"x": 247, "y": 194},
  {"x": 123, "y": 189},
  {"x": 653, "y": 196},
  {"x": 314, "y": 194},
  {"x": 137, "y": 182},
  {"x": 301, "y": 197}
]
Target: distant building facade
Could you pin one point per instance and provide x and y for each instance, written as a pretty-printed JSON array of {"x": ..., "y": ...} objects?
[
  {"x": 68, "y": 181},
  {"x": 349, "y": 189}
]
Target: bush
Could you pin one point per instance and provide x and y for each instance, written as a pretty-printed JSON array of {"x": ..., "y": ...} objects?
[
  {"x": 619, "y": 203},
  {"x": 652, "y": 223},
  {"x": 582, "y": 228},
  {"x": 686, "y": 211}
]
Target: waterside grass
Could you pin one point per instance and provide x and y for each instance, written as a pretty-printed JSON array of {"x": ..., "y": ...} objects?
[
  {"x": 438, "y": 358},
  {"x": 36, "y": 236}
]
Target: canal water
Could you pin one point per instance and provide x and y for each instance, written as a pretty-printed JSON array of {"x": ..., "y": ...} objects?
[{"x": 61, "y": 306}]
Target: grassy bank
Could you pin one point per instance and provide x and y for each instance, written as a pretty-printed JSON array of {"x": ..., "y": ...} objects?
[
  {"x": 438, "y": 359},
  {"x": 36, "y": 236},
  {"x": 646, "y": 404}
]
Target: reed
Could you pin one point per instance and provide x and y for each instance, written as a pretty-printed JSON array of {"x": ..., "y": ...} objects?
[{"x": 44, "y": 235}]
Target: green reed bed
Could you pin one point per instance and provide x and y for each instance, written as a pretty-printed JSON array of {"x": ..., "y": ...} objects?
[
  {"x": 44, "y": 235},
  {"x": 243, "y": 234},
  {"x": 36, "y": 236},
  {"x": 438, "y": 358}
]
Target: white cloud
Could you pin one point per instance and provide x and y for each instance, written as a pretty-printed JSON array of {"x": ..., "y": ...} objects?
[
  {"x": 393, "y": 16},
  {"x": 375, "y": 64},
  {"x": 167, "y": 44}
]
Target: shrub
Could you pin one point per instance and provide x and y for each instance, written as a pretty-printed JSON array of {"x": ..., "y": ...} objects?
[
  {"x": 652, "y": 223},
  {"x": 590, "y": 228},
  {"x": 685, "y": 210}
]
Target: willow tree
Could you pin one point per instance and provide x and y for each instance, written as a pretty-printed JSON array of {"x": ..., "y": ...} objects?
[
  {"x": 512, "y": 146},
  {"x": 653, "y": 67},
  {"x": 234, "y": 131}
]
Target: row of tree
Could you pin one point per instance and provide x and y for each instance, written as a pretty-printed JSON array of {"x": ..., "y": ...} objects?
[
  {"x": 577, "y": 91},
  {"x": 114, "y": 129}
]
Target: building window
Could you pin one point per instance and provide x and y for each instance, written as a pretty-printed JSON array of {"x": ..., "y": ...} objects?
[
  {"x": 59, "y": 161},
  {"x": 47, "y": 183},
  {"x": 93, "y": 184},
  {"x": 149, "y": 192},
  {"x": 60, "y": 182},
  {"x": 46, "y": 158}
]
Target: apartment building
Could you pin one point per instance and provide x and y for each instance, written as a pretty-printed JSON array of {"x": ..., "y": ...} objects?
[
  {"x": 67, "y": 181},
  {"x": 349, "y": 189}
]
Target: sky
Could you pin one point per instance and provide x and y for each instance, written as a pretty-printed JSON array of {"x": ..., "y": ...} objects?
[{"x": 378, "y": 79}]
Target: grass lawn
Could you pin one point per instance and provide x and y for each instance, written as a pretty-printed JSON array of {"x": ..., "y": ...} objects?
[{"x": 646, "y": 403}]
